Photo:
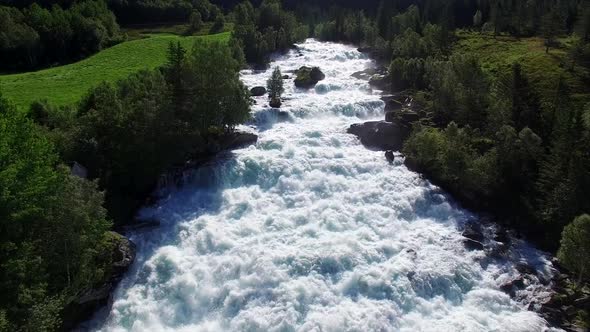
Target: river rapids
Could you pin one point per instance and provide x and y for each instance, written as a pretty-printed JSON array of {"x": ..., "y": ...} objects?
[{"x": 310, "y": 231}]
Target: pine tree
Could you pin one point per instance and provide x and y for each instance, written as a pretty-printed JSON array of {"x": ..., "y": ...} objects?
[
  {"x": 195, "y": 21},
  {"x": 574, "y": 252},
  {"x": 275, "y": 87},
  {"x": 174, "y": 69},
  {"x": 525, "y": 104},
  {"x": 552, "y": 25}
]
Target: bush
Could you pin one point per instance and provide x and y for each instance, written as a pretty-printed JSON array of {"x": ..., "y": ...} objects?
[{"x": 574, "y": 252}]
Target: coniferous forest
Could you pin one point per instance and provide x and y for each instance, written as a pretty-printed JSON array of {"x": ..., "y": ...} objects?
[{"x": 495, "y": 95}]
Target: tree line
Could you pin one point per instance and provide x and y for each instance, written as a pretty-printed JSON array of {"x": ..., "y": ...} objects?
[
  {"x": 54, "y": 226},
  {"x": 496, "y": 140},
  {"x": 263, "y": 30},
  {"x": 34, "y": 36}
]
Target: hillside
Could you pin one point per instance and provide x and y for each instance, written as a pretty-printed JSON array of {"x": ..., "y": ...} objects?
[
  {"x": 66, "y": 84},
  {"x": 497, "y": 55}
]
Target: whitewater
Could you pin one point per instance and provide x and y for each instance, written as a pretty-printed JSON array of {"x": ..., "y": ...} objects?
[{"x": 309, "y": 231}]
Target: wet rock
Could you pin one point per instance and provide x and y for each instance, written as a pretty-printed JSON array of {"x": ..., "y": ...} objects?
[
  {"x": 258, "y": 91},
  {"x": 473, "y": 231},
  {"x": 473, "y": 245},
  {"x": 364, "y": 74},
  {"x": 525, "y": 268},
  {"x": 123, "y": 257},
  {"x": 500, "y": 251},
  {"x": 392, "y": 106},
  {"x": 380, "y": 135},
  {"x": 380, "y": 81},
  {"x": 473, "y": 236},
  {"x": 308, "y": 77},
  {"x": 502, "y": 236},
  {"x": 513, "y": 285},
  {"x": 404, "y": 116},
  {"x": 275, "y": 103},
  {"x": 390, "y": 156},
  {"x": 231, "y": 141}
]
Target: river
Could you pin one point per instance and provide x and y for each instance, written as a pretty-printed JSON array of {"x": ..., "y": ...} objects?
[{"x": 310, "y": 231}]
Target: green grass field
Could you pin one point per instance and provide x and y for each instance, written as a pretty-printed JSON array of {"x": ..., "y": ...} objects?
[
  {"x": 65, "y": 85},
  {"x": 544, "y": 69}
]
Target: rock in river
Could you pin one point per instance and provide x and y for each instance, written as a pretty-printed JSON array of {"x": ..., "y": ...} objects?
[
  {"x": 308, "y": 77},
  {"x": 258, "y": 91},
  {"x": 380, "y": 135}
]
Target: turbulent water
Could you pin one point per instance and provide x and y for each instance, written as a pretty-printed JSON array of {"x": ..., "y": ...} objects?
[{"x": 310, "y": 231}]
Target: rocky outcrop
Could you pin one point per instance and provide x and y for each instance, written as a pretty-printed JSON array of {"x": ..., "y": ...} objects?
[
  {"x": 231, "y": 141},
  {"x": 392, "y": 104},
  {"x": 308, "y": 77},
  {"x": 473, "y": 236},
  {"x": 258, "y": 91},
  {"x": 84, "y": 305},
  {"x": 366, "y": 74},
  {"x": 565, "y": 304},
  {"x": 381, "y": 82},
  {"x": 390, "y": 156},
  {"x": 380, "y": 135}
]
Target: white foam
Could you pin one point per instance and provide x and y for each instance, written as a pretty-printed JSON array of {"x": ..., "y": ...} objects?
[{"x": 309, "y": 231}]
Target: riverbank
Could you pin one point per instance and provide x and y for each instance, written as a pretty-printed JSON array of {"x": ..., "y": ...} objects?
[
  {"x": 85, "y": 305},
  {"x": 568, "y": 305},
  {"x": 308, "y": 225}
]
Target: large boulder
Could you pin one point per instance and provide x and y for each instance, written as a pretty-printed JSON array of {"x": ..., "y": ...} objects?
[
  {"x": 390, "y": 156},
  {"x": 230, "y": 141},
  {"x": 308, "y": 77},
  {"x": 392, "y": 104},
  {"x": 380, "y": 135},
  {"x": 380, "y": 81},
  {"x": 258, "y": 91}
]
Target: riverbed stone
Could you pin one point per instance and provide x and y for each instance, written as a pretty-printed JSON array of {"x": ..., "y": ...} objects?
[
  {"x": 258, "y": 91},
  {"x": 380, "y": 135},
  {"x": 308, "y": 77},
  {"x": 390, "y": 156}
]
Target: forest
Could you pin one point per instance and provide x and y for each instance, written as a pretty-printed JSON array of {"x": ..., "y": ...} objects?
[{"x": 509, "y": 136}]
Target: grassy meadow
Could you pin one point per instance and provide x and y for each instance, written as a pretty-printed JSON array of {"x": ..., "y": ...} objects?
[
  {"x": 497, "y": 55},
  {"x": 65, "y": 85}
]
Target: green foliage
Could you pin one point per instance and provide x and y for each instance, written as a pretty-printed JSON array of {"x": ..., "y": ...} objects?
[
  {"x": 274, "y": 85},
  {"x": 52, "y": 226},
  {"x": 112, "y": 134},
  {"x": 195, "y": 21},
  {"x": 66, "y": 85},
  {"x": 349, "y": 25},
  {"x": 218, "y": 25},
  {"x": 451, "y": 157},
  {"x": 37, "y": 37},
  {"x": 151, "y": 11},
  {"x": 265, "y": 30},
  {"x": 574, "y": 252},
  {"x": 460, "y": 90}
]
